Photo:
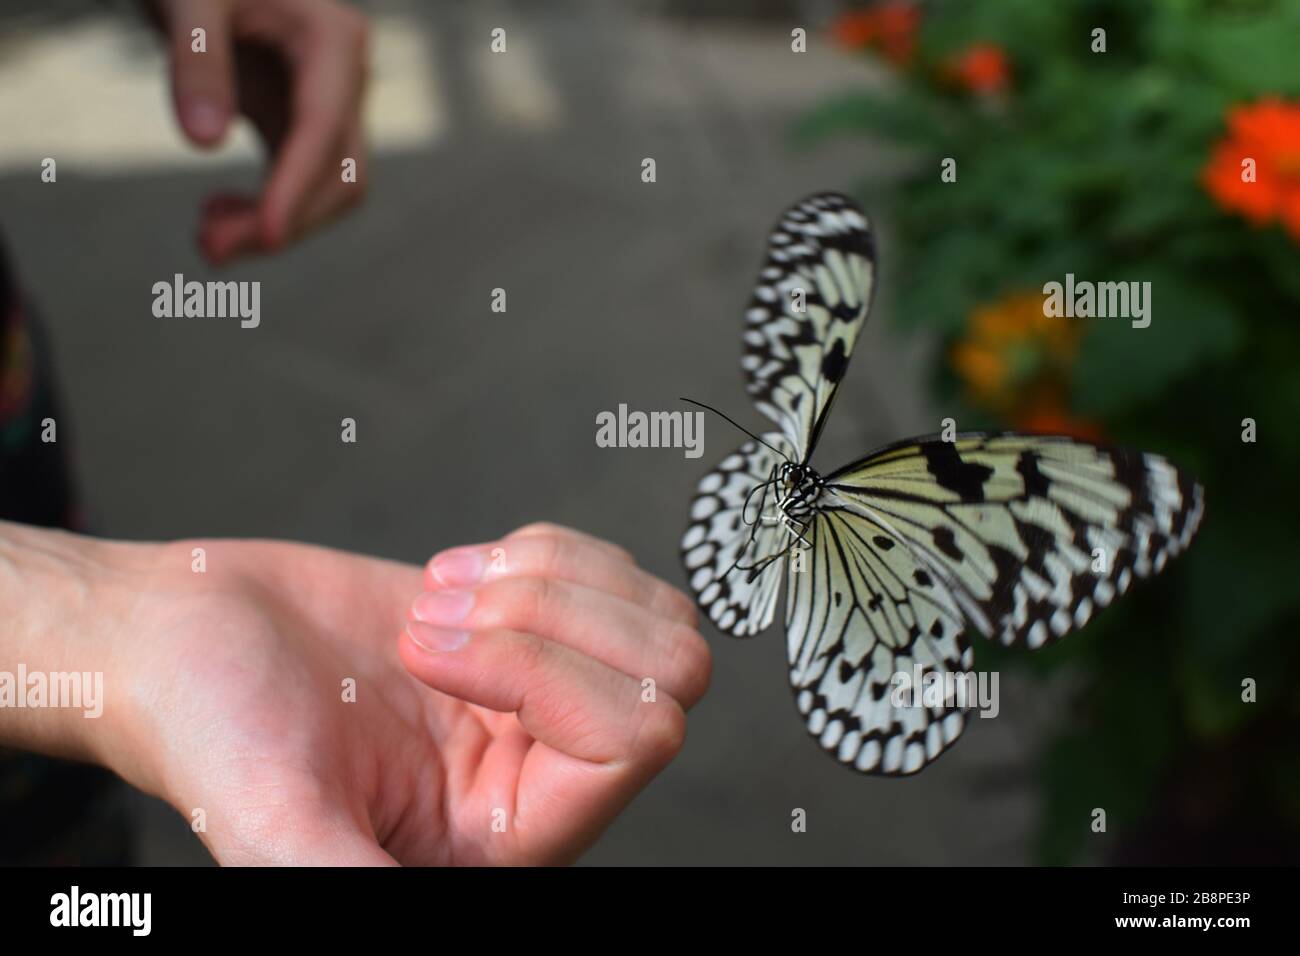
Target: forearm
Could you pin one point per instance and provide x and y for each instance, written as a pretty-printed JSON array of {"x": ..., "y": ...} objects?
[{"x": 61, "y": 598}]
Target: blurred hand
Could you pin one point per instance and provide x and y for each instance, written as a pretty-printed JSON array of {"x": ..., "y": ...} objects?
[
  {"x": 538, "y": 729},
  {"x": 296, "y": 69}
]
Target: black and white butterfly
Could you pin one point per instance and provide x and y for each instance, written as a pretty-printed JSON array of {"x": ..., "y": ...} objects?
[{"x": 892, "y": 560}]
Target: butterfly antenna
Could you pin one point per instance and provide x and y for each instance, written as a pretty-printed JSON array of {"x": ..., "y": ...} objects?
[{"x": 737, "y": 424}]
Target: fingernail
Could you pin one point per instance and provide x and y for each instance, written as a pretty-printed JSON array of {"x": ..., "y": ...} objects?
[
  {"x": 436, "y": 638},
  {"x": 204, "y": 118},
  {"x": 443, "y": 607},
  {"x": 459, "y": 567}
]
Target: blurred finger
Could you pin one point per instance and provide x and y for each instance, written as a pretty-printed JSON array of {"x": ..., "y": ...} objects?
[
  {"x": 327, "y": 88},
  {"x": 203, "y": 82},
  {"x": 332, "y": 197},
  {"x": 228, "y": 227}
]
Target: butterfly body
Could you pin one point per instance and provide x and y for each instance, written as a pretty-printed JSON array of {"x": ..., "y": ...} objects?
[
  {"x": 892, "y": 560},
  {"x": 803, "y": 491}
]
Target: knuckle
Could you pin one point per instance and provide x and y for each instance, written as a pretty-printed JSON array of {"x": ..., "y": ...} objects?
[
  {"x": 532, "y": 654},
  {"x": 551, "y": 553},
  {"x": 693, "y": 660},
  {"x": 690, "y": 609},
  {"x": 621, "y": 553},
  {"x": 662, "y": 732},
  {"x": 677, "y": 605},
  {"x": 521, "y": 601},
  {"x": 538, "y": 529}
]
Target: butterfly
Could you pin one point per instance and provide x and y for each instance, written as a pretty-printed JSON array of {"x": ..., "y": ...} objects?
[{"x": 892, "y": 561}]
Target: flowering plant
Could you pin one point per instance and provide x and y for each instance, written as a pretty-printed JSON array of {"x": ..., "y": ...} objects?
[{"x": 1124, "y": 143}]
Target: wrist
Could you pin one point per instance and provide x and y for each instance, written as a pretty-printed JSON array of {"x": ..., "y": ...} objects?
[
  {"x": 137, "y": 592},
  {"x": 66, "y": 600},
  {"x": 44, "y": 672}
]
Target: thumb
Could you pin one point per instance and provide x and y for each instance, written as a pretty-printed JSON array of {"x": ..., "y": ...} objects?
[{"x": 203, "y": 76}]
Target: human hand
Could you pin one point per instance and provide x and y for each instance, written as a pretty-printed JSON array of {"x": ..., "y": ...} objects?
[
  {"x": 571, "y": 671},
  {"x": 296, "y": 69},
  {"x": 226, "y": 695}
]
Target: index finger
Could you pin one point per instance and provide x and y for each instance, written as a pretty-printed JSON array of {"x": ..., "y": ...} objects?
[
  {"x": 203, "y": 83},
  {"x": 565, "y": 557},
  {"x": 327, "y": 93}
]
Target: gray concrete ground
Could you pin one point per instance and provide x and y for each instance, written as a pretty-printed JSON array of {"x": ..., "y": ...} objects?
[{"x": 472, "y": 422}]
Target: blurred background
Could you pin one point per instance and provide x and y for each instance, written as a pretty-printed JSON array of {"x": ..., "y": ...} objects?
[{"x": 522, "y": 172}]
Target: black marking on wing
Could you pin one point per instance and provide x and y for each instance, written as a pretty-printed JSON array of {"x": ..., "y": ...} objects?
[
  {"x": 952, "y": 472},
  {"x": 835, "y": 363},
  {"x": 795, "y": 359}
]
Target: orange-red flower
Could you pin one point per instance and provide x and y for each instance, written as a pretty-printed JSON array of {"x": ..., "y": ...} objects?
[
  {"x": 889, "y": 27},
  {"x": 1267, "y": 132},
  {"x": 1015, "y": 362},
  {"x": 982, "y": 68},
  {"x": 1051, "y": 420}
]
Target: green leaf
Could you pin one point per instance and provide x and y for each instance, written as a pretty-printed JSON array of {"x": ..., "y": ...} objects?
[
  {"x": 1120, "y": 366},
  {"x": 1241, "y": 577},
  {"x": 1244, "y": 54},
  {"x": 1213, "y": 704},
  {"x": 907, "y": 116}
]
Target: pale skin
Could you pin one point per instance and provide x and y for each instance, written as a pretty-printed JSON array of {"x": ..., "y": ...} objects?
[
  {"x": 224, "y": 690},
  {"x": 507, "y": 707},
  {"x": 296, "y": 69}
]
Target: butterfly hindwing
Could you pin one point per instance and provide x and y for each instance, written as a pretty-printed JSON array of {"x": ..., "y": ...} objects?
[
  {"x": 855, "y": 618},
  {"x": 718, "y": 536},
  {"x": 811, "y": 301}
]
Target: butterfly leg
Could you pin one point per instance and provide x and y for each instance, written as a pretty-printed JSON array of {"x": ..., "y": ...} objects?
[
  {"x": 755, "y": 524},
  {"x": 801, "y": 536}
]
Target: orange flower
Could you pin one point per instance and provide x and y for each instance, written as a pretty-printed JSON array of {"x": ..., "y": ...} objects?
[
  {"x": 982, "y": 68},
  {"x": 889, "y": 27},
  {"x": 1050, "y": 420},
  {"x": 1013, "y": 357},
  {"x": 1267, "y": 132}
]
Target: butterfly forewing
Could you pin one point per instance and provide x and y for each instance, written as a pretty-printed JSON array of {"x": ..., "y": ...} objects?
[
  {"x": 812, "y": 299},
  {"x": 1031, "y": 534}
]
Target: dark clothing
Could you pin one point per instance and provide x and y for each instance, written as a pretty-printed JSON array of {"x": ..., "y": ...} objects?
[
  {"x": 34, "y": 485},
  {"x": 51, "y": 811}
]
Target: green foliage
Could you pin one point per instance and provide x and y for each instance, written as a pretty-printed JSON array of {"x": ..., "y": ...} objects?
[
  {"x": 1120, "y": 367},
  {"x": 1092, "y": 163}
]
